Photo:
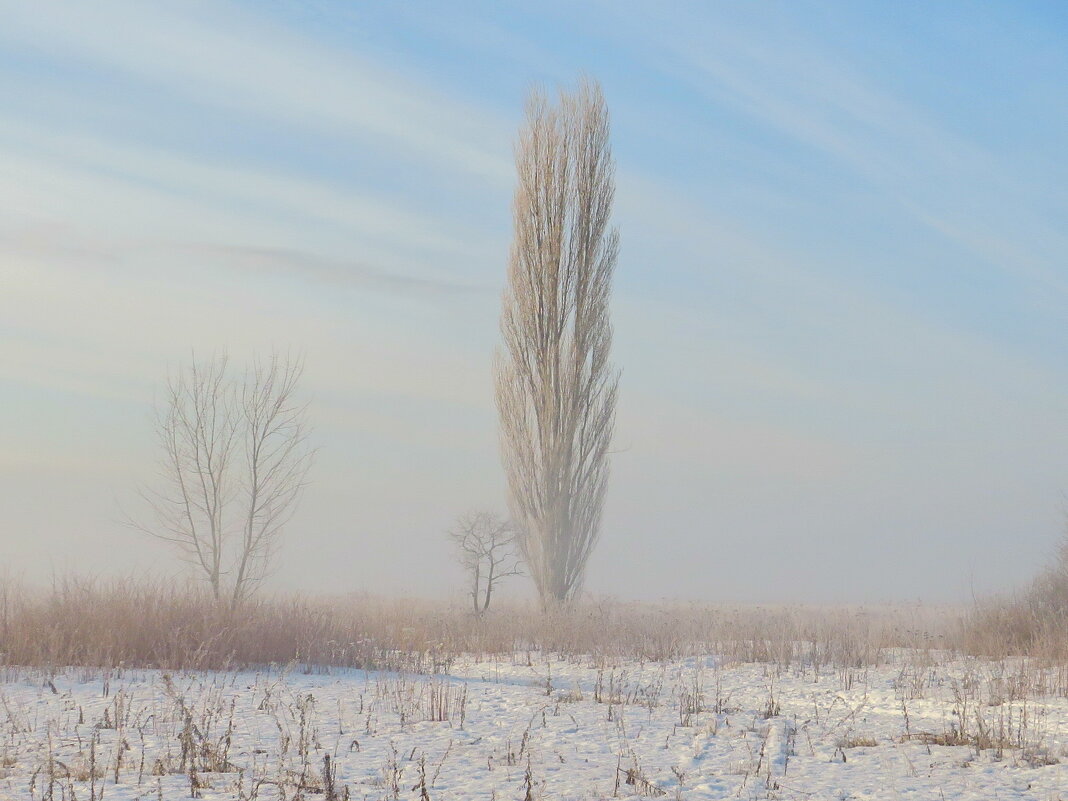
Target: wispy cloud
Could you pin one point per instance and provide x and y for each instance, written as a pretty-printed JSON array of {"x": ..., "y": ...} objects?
[
  {"x": 42, "y": 243},
  {"x": 46, "y": 167},
  {"x": 944, "y": 180},
  {"x": 223, "y": 55},
  {"x": 319, "y": 268}
]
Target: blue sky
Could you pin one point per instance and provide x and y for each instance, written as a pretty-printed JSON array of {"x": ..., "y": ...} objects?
[{"x": 841, "y": 306}]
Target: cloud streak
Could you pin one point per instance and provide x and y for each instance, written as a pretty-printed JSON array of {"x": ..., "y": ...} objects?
[
  {"x": 219, "y": 53},
  {"x": 340, "y": 273},
  {"x": 945, "y": 181}
]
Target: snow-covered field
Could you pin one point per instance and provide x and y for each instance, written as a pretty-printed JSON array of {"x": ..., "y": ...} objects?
[{"x": 542, "y": 728}]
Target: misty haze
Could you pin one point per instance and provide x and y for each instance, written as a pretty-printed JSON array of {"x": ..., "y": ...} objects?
[{"x": 533, "y": 401}]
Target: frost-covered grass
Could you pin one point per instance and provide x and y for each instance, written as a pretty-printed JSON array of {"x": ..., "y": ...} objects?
[{"x": 919, "y": 724}]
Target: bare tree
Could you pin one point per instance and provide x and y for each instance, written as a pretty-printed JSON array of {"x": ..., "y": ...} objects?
[
  {"x": 556, "y": 389},
  {"x": 485, "y": 545},
  {"x": 233, "y": 462}
]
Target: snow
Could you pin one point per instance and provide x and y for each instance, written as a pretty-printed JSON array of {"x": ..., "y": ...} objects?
[{"x": 499, "y": 728}]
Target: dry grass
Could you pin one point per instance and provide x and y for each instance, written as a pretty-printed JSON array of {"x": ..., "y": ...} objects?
[
  {"x": 635, "y": 659},
  {"x": 1034, "y": 623},
  {"x": 176, "y": 626},
  {"x": 858, "y": 741}
]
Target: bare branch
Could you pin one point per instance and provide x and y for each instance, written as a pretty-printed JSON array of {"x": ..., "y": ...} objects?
[
  {"x": 485, "y": 547},
  {"x": 233, "y": 462},
  {"x": 556, "y": 389}
]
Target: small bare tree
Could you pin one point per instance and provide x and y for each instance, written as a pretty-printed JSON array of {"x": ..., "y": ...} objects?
[
  {"x": 233, "y": 462},
  {"x": 485, "y": 545},
  {"x": 556, "y": 389}
]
